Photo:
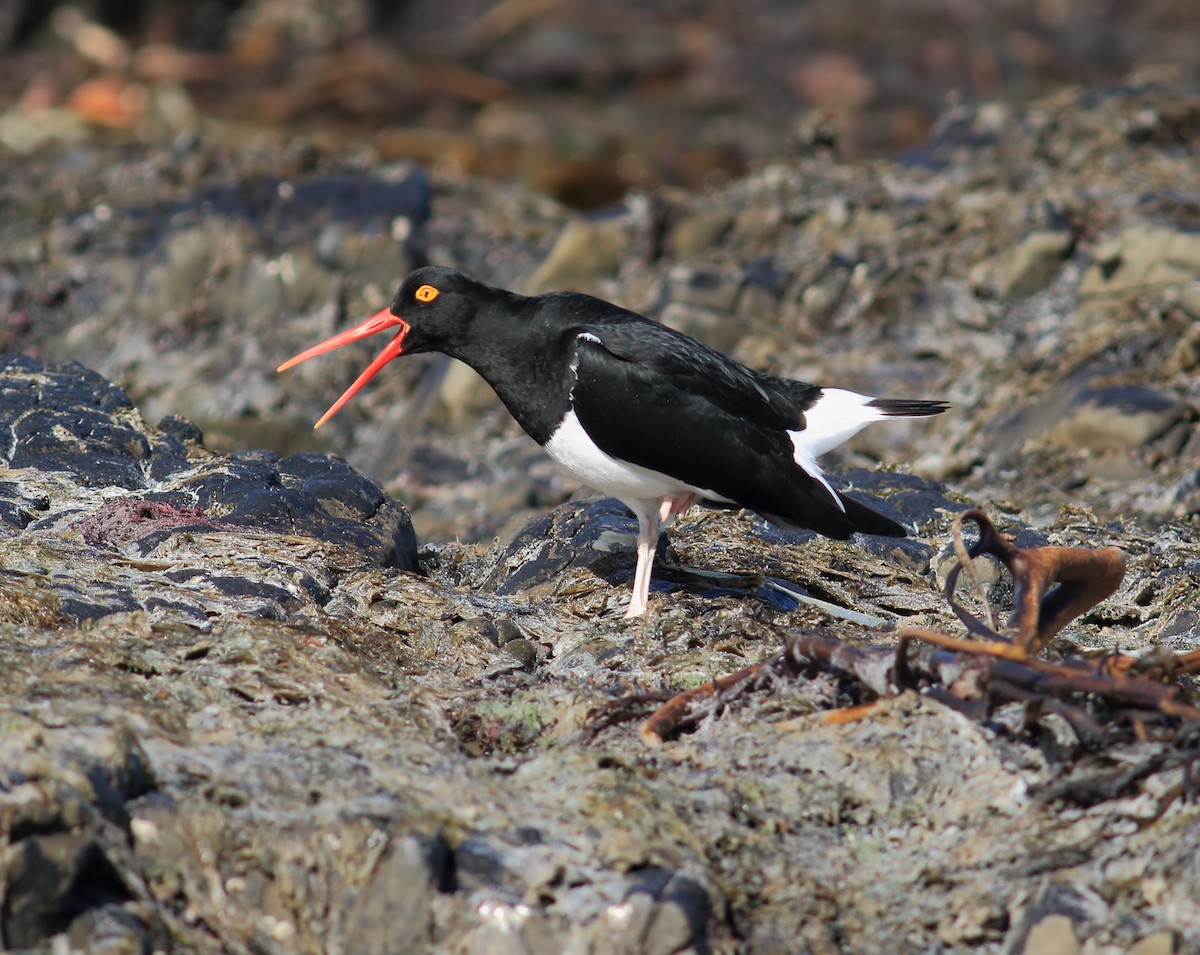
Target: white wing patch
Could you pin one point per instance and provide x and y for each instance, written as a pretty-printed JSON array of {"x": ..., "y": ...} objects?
[
  {"x": 574, "y": 366},
  {"x": 808, "y": 464},
  {"x": 837, "y": 416}
]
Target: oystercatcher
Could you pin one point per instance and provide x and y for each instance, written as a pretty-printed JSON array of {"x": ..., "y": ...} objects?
[{"x": 635, "y": 409}]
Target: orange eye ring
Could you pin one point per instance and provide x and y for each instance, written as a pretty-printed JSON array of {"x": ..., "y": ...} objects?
[{"x": 426, "y": 293}]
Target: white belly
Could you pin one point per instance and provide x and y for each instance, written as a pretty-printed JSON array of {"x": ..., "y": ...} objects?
[{"x": 578, "y": 455}]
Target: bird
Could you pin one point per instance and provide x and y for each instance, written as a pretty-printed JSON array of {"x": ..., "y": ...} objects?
[{"x": 636, "y": 410}]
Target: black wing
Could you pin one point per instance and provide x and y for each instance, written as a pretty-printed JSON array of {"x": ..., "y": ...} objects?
[
  {"x": 692, "y": 366},
  {"x": 670, "y": 404}
]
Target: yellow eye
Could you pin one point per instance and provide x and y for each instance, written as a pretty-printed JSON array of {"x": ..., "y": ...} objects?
[{"x": 427, "y": 293}]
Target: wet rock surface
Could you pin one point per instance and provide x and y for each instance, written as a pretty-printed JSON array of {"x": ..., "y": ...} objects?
[{"x": 243, "y": 710}]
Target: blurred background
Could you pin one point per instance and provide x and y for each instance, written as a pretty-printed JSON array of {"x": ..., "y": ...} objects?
[{"x": 584, "y": 101}]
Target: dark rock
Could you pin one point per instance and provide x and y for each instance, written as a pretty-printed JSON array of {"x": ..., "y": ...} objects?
[
  {"x": 907, "y": 498},
  {"x": 50, "y": 880},
  {"x": 181, "y": 431},
  {"x": 592, "y": 536},
  {"x": 556, "y": 552},
  {"x": 1182, "y": 627},
  {"x": 1115, "y": 417},
  {"x": 480, "y": 862},
  {"x": 349, "y": 495},
  {"x": 64, "y": 863},
  {"x": 679, "y": 914},
  {"x": 71, "y": 422},
  {"x": 92, "y": 600},
  {"x": 225, "y": 490},
  {"x": 1084, "y": 413},
  {"x": 66, "y": 418},
  {"x": 16, "y": 507}
]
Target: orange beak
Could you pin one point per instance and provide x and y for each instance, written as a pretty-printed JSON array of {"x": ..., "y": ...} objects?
[{"x": 378, "y": 322}]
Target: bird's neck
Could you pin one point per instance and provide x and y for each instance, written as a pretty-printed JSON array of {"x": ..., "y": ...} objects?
[{"x": 526, "y": 367}]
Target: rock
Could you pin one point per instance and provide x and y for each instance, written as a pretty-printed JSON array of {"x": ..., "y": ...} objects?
[
  {"x": 664, "y": 912},
  {"x": 129, "y": 489},
  {"x": 1031, "y": 265},
  {"x": 66, "y": 868},
  {"x": 1053, "y": 935},
  {"x": 1084, "y": 414},
  {"x": 67, "y": 418},
  {"x": 1157, "y": 943},
  {"x": 698, "y": 232},
  {"x": 585, "y": 250},
  {"x": 393, "y": 912},
  {"x": 45, "y": 873},
  {"x": 597, "y": 538},
  {"x": 709, "y": 289},
  {"x": 1141, "y": 257},
  {"x": 1181, "y": 628},
  {"x": 1115, "y": 417}
]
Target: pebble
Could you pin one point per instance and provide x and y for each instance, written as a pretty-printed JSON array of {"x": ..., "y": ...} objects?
[{"x": 1053, "y": 935}]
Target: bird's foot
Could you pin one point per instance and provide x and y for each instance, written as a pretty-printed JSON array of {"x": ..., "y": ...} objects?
[{"x": 674, "y": 505}]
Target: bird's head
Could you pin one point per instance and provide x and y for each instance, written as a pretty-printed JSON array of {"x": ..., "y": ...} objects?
[{"x": 432, "y": 310}]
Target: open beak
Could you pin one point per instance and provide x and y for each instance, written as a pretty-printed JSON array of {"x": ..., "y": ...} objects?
[{"x": 378, "y": 322}]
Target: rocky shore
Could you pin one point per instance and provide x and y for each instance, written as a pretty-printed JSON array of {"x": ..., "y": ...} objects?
[{"x": 370, "y": 691}]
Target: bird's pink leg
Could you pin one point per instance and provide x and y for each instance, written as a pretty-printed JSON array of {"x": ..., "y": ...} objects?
[
  {"x": 673, "y": 505},
  {"x": 647, "y": 542}
]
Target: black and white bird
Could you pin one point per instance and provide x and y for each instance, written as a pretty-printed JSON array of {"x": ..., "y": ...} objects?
[{"x": 635, "y": 409}]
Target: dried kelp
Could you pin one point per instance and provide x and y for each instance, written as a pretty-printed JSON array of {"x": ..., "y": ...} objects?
[{"x": 992, "y": 665}]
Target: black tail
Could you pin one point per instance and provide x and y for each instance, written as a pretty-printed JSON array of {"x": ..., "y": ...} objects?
[
  {"x": 866, "y": 520},
  {"x": 857, "y": 518},
  {"x": 908, "y": 407}
]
